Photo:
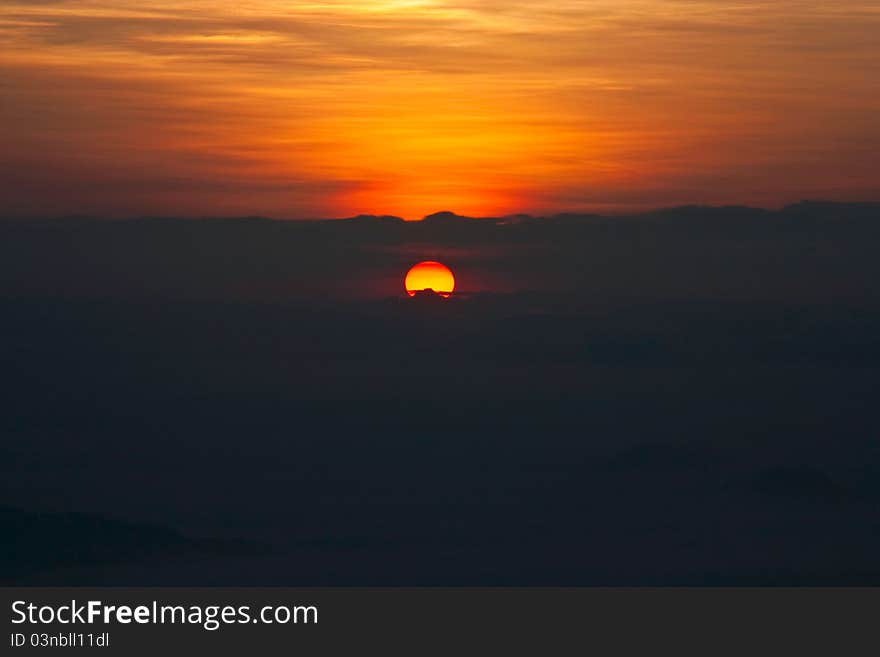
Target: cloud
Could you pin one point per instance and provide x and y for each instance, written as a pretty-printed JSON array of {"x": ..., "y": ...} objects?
[{"x": 477, "y": 104}]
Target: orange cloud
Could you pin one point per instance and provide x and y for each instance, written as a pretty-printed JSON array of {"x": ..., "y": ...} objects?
[{"x": 334, "y": 108}]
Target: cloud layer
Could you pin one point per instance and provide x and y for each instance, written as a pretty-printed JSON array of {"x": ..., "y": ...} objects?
[{"x": 334, "y": 108}]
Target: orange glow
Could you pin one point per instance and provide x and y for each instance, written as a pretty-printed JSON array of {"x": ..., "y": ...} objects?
[
  {"x": 430, "y": 275},
  {"x": 338, "y": 108}
]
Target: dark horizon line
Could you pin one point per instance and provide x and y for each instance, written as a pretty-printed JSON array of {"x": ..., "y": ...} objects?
[{"x": 448, "y": 214}]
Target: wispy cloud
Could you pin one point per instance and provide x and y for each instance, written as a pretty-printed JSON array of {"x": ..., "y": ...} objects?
[{"x": 406, "y": 106}]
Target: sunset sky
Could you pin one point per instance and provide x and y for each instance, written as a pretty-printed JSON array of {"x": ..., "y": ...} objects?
[{"x": 328, "y": 109}]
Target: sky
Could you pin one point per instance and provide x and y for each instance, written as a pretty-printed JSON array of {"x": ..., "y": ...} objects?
[{"x": 406, "y": 107}]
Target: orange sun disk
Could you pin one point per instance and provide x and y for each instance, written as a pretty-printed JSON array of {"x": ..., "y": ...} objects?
[{"x": 430, "y": 275}]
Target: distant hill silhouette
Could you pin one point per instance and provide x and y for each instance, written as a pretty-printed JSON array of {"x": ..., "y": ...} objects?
[
  {"x": 686, "y": 396},
  {"x": 32, "y": 541},
  {"x": 808, "y": 208},
  {"x": 805, "y": 250},
  {"x": 373, "y": 219},
  {"x": 445, "y": 216}
]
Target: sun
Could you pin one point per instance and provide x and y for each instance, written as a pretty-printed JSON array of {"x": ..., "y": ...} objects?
[{"x": 430, "y": 275}]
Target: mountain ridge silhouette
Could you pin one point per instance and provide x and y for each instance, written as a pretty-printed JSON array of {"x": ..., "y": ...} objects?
[{"x": 801, "y": 208}]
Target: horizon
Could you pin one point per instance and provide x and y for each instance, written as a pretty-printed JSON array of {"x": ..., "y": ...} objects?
[{"x": 806, "y": 202}]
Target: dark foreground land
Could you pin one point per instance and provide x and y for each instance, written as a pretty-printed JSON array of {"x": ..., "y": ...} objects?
[{"x": 686, "y": 397}]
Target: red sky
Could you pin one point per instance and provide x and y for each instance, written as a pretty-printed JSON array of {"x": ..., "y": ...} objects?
[{"x": 288, "y": 109}]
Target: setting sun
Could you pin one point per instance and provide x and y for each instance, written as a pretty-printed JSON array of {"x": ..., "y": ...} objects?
[{"x": 432, "y": 276}]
